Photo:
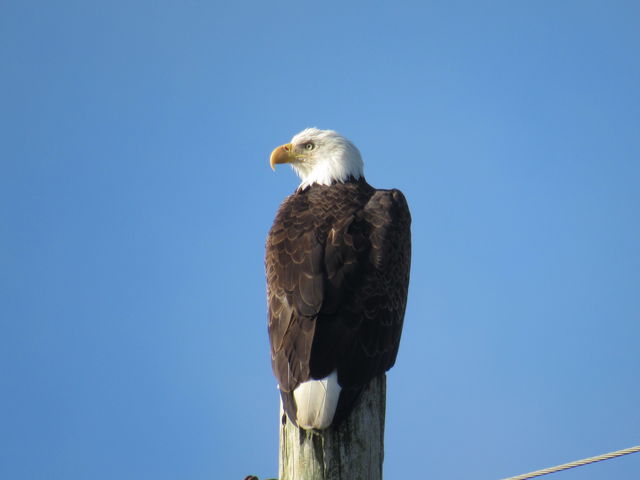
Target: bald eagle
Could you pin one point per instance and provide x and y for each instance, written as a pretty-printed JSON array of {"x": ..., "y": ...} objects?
[{"x": 337, "y": 267}]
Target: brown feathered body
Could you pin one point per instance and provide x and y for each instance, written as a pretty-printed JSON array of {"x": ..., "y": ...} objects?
[{"x": 337, "y": 266}]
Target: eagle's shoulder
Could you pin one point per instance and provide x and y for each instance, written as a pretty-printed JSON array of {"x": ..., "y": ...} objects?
[{"x": 388, "y": 205}]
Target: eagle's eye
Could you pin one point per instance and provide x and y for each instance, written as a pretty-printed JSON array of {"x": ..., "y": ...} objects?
[{"x": 309, "y": 146}]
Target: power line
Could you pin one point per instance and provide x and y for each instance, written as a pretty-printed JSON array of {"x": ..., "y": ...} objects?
[{"x": 577, "y": 463}]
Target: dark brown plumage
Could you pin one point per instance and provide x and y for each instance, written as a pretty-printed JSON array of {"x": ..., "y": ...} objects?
[{"x": 337, "y": 266}]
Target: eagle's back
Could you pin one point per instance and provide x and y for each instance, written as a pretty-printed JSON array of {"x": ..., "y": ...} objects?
[{"x": 337, "y": 264}]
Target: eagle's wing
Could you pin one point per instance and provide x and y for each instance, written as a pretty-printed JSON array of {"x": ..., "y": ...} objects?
[
  {"x": 373, "y": 295},
  {"x": 295, "y": 287}
]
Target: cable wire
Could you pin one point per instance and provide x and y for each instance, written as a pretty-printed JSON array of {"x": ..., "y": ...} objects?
[{"x": 577, "y": 463}]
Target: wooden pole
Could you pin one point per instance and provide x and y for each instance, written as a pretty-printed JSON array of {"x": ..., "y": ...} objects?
[{"x": 352, "y": 451}]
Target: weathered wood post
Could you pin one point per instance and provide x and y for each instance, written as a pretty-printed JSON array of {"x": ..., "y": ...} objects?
[{"x": 352, "y": 451}]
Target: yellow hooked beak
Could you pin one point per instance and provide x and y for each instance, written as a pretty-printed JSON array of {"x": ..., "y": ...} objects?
[{"x": 282, "y": 154}]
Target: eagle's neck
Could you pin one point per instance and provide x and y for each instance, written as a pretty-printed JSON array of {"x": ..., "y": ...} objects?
[
  {"x": 327, "y": 176},
  {"x": 303, "y": 187}
]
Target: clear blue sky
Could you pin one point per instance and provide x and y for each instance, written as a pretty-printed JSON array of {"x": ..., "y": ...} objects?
[{"x": 135, "y": 197}]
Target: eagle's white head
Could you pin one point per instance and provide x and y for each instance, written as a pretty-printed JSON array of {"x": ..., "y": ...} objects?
[{"x": 320, "y": 156}]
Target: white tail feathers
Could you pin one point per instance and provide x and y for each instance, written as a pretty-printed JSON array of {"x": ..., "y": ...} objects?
[{"x": 316, "y": 401}]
